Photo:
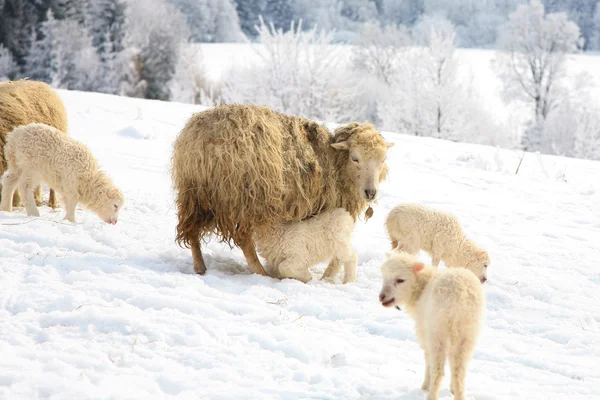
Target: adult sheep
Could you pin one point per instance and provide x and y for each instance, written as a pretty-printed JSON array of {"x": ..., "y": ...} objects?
[
  {"x": 240, "y": 167},
  {"x": 23, "y": 102}
]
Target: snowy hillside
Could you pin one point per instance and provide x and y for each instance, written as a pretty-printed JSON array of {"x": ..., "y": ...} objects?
[{"x": 93, "y": 311}]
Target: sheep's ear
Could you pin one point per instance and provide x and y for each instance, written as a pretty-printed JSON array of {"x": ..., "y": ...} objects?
[
  {"x": 389, "y": 144},
  {"x": 341, "y": 145},
  {"x": 112, "y": 193},
  {"x": 418, "y": 267},
  {"x": 481, "y": 255}
]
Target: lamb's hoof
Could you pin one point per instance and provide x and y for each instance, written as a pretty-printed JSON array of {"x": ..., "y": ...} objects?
[{"x": 425, "y": 387}]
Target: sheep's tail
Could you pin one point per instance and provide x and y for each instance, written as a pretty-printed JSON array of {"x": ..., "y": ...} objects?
[{"x": 193, "y": 219}]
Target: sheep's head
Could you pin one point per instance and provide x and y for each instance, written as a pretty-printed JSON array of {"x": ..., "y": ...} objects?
[
  {"x": 366, "y": 154},
  {"x": 477, "y": 261},
  {"x": 109, "y": 205},
  {"x": 399, "y": 273}
]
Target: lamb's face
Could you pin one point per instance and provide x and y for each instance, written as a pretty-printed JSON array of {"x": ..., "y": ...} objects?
[
  {"x": 399, "y": 272},
  {"x": 111, "y": 205},
  {"x": 366, "y": 165},
  {"x": 478, "y": 263}
]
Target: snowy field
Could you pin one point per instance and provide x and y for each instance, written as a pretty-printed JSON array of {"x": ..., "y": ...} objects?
[{"x": 93, "y": 311}]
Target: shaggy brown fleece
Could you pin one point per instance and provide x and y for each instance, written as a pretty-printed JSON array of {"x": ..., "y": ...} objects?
[
  {"x": 23, "y": 102},
  {"x": 236, "y": 167}
]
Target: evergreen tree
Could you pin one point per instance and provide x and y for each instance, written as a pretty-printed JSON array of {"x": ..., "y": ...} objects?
[
  {"x": 248, "y": 12},
  {"x": 107, "y": 27},
  {"x": 18, "y": 20},
  {"x": 39, "y": 57},
  {"x": 8, "y": 66},
  {"x": 278, "y": 12}
]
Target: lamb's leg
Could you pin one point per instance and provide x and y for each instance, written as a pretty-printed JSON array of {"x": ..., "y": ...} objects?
[
  {"x": 251, "y": 257},
  {"x": 70, "y": 206},
  {"x": 426, "y": 379},
  {"x": 332, "y": 269},
  {"x": 199, "y": 265},
  {"x": 436, "y": 359},
  {"x": 16, "y": 199},
  {"x": 437, "y": 251},
  {"x": 291, "y": 269},
  {"x": 11, "y": 181},
  {"x": 52, "y": 199},
  {"x": 27, "y": 189},
  {"x": 350, "y": 267},
  {"x": 459, "y": 357},
  {"x": 37, "y": 194}
]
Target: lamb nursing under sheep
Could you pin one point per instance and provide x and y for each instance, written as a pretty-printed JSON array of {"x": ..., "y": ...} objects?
[
  {"x": 292, "y": 248},
  {"x": 37, "y": 153},
  {"x": 413, "y": 227},
  {"x": 447, "y": 306},
  {"x": 237, "y": 168},
  {"x": 24, "y": 102}
]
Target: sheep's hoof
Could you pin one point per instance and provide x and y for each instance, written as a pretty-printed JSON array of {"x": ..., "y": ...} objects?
[{"x": 425, "y": 387}]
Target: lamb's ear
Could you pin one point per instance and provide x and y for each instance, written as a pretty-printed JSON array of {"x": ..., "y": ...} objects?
[
  {"x": 416, "y": 268},
  {"x": 389, "y": 144},
  {"x": 481, "y": 255},
  {"x": 112, "y": 193},
  {"x": 341, "y": 145}
]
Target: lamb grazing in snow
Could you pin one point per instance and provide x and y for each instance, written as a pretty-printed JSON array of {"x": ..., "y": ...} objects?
[
  {"x": 37, "y": 153},
  {"x": 447, "y": 306},
  {"x": 292, "y": 248},
  {"x": 237, "y": 168},
  {"x": 24, "y": 102},
  {"x": 414, "y": 227}
]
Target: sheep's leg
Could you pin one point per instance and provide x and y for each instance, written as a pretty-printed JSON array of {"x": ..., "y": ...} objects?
[
  {"x": 70, "y": 205},
  {"x": 291, "y": 269},
  {"x": 436, "y": 357},
  {"x": 199, "y": 265},
  {"x": 350, "y": 268},
  {"x": 37, "y": 194},
  {"x": 332, "y": 269},
  {"x": 11, "y": 181},
  {"x": 435, "y": 260},
  {"x": 27, "y": 190},
  {"x": 459, "y": 357},
  {"x": 52, "y": 199},
  {"x": 16, "y": 199},
  {"x": 251, "y": 257}
]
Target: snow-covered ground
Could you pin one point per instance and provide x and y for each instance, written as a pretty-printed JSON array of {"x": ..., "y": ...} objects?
[{"x": 92, "y": 311}]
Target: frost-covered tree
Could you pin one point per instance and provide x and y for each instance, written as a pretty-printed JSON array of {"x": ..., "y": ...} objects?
[
  {"x": 19, "y": 20},
  {"x": 189, "y": 80},
  {"x": 156, "y": 30},
  {"x": 278, "y": 12},
  {"x": 39, "y": 57},
  {"x": 210, "y": 20},
  {"x": 533, "y": 47},
  {"x": 8, "y": 65},
  {"x": 405, "y": 12},
  {"x": 299, "y": 73},
  {"x": 75, "y": 64},
  {"x": 595, "y": 35},
  {"x": 248, "y": 12},
  {"x": 107, "y": 26}
]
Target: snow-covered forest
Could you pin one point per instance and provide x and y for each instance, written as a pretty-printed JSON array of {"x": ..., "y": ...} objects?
[{"x": 393, "y": 63}]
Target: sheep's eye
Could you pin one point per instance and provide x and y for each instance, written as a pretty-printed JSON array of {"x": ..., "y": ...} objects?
[
  {"x": 116, "y": 207},
  {"x": 355, "y": 159},
  {"x": 484, "y": 265},
  {"x": 399, "y": 280}
]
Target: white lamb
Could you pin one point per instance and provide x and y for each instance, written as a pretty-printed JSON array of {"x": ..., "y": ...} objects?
[
  {"x": 292, "y": 248},
  {"x": 37, "y": 153},
  {"x": 447, "y": 306},
  {"x": 413, "y": 227}
]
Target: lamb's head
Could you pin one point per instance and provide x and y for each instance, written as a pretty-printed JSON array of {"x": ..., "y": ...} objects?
[
  {"x": 366, "y": 152},
  {"x": 399, "y": 272},
  {"x": 477, "y": 260},
  {"x": 107, "y": 204}
]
